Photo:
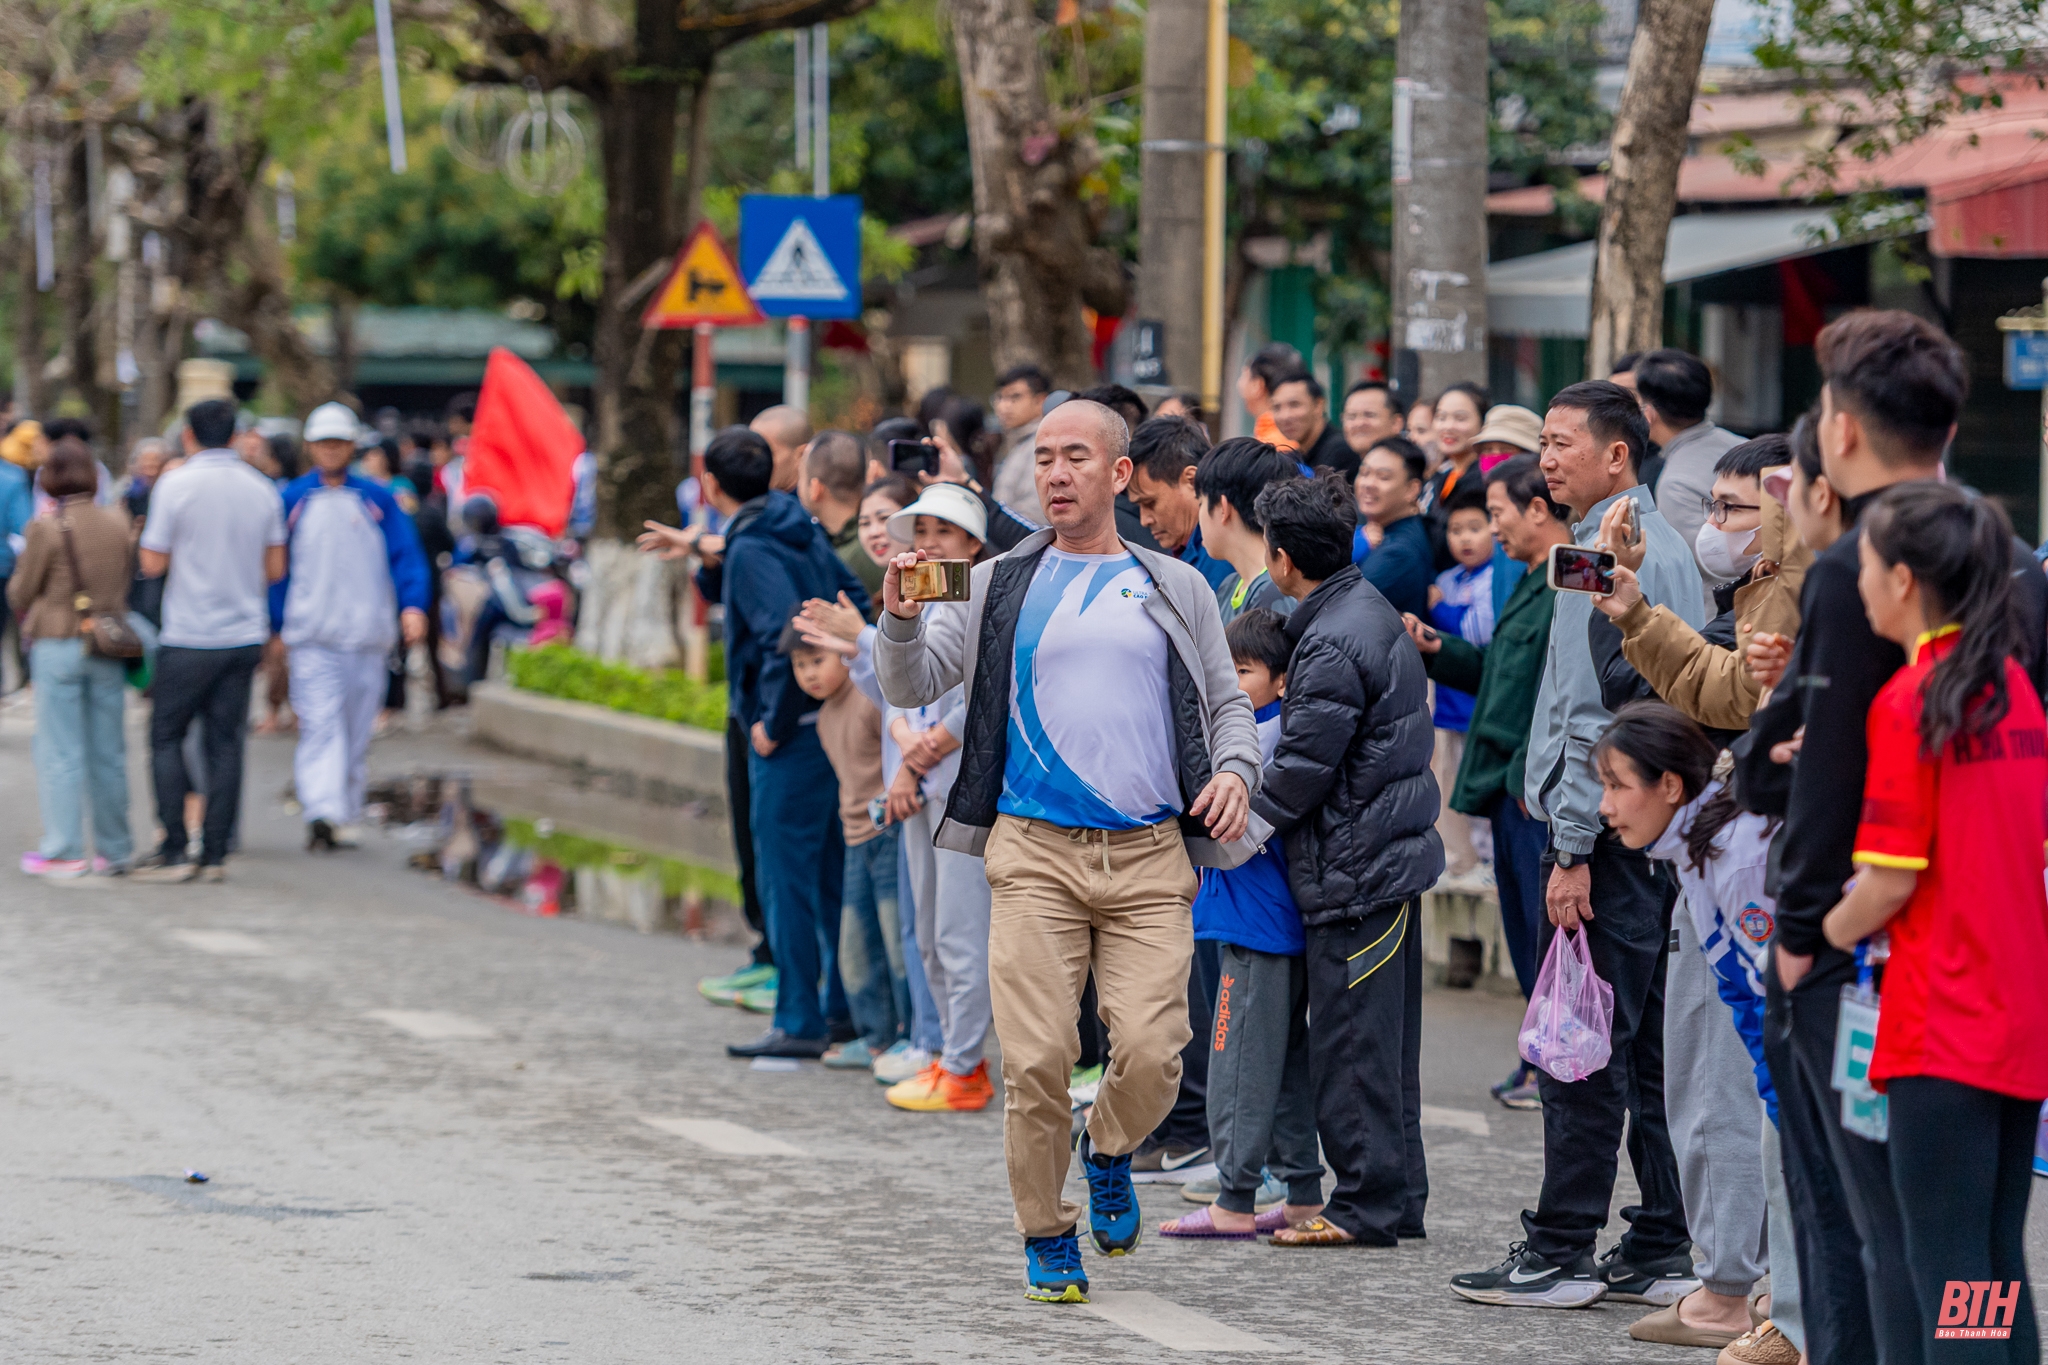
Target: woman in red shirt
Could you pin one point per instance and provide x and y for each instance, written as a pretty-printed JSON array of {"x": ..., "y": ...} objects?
[{"x": 1950, "y": 865}]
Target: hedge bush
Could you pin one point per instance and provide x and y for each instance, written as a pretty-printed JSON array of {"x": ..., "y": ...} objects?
[{"x": 557, "y": 670}]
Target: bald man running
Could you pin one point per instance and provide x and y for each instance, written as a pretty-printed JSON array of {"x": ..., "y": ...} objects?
[{"x": 1108, "y": 752}]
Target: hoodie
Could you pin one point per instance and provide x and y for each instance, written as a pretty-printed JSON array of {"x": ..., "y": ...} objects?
[{"x": 776, "y": 558}]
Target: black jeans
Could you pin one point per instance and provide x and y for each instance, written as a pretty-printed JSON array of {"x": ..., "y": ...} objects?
[
  {"x": 190, "y": 684},
  {"x": 1582, "y": 1120},
  {"x": 1364, "y": 1039},
  {"x": 1855, "y": 1291},
  {"x": 1187, "y": 1123},
  {"x": 739, "y": 801},
  {"x": 1962, "y": 1169}
]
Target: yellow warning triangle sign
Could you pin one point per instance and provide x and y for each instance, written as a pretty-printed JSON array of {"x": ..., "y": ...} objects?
[{"x": 704, "y": 286}]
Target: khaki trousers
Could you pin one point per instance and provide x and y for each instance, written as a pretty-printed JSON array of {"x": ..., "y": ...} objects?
[{"x": 1061, "y": 900}]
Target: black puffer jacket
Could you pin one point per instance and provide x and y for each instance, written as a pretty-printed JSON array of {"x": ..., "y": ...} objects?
[{"x": 1349, "y": 784}]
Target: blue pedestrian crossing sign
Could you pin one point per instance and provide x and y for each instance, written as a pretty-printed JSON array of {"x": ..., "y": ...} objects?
[{"x": 801, "y": 256}]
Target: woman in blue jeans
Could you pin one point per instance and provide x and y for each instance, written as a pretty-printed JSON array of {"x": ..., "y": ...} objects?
[{"x": 75, "y": 561}]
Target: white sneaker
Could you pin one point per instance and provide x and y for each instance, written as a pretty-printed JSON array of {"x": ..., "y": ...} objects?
[
  {"x": 900, "y": 1063},
  {"x": 348, "y": 836}
]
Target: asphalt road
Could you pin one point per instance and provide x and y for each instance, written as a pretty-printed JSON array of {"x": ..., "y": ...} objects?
[{"x": 440, "y": 1130}]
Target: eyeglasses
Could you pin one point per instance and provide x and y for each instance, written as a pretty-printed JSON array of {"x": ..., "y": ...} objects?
[{"x": 1719, "y": 508}]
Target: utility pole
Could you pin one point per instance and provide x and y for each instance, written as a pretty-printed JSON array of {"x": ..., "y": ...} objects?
[
  {"x": 1172, "y": 204},
  {"x": 813, "y": 147},
  {"x": 1439, "y": 174}
]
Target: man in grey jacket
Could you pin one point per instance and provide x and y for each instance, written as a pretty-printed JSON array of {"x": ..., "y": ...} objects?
[
  {"x": 1593, "y": 441},
  {"x": 1108, "y": 751}
]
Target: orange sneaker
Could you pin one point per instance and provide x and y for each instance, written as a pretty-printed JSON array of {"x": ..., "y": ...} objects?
[{"x": 936, "y": 1090}]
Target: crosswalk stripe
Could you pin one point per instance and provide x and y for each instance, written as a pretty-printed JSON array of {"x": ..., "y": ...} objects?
[
  {"x": 1169, "y": 1324},
  {"x": 432, "y": 1024},
  {"x": 719, "y": 1135},
  {"x": 222, "y": 942}
]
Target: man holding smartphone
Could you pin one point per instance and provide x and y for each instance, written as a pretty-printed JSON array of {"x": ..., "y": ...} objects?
[{"x": 1592, "y": 449}]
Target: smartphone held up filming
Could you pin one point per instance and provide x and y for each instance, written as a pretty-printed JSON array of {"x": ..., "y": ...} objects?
[
  {"x": 937, "y": 580},
  {"x": 1574, "y": 568},
  {"x": 913, "y": 457}
]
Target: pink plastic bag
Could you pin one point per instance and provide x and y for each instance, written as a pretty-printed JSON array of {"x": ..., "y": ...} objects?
[{"x": 1571, "y": 1013}]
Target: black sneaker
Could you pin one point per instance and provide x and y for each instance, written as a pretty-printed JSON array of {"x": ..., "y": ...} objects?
[
  {"x": 1526, "y": 1280},
  {"x": 1168, "y": 1159},
  {"x": 1659, "y": 1283},
  {"x": 776, "y": 1043}
]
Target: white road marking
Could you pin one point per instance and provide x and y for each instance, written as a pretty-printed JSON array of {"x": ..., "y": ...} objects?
[
  {"x": 718, "y": 1135},
  {"x": 222, "y": 942},
  {"x": 776, "y": 1064},
  {"x": 1169, "y": 1324},
  {"x": 1464, "y": 1120},
  {"x": 434, "y": 1024}
]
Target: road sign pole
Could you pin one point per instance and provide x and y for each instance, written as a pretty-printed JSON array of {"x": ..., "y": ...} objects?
[
  {"x": 703, "y": 387},
  {"x": 821, "y": 112},
  {"x": 796, "y": 365}
]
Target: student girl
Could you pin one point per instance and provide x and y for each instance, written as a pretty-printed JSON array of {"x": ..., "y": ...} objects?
[
  {"x": 1658, "y": 793},
  {"x": 1949, "y": 870}
]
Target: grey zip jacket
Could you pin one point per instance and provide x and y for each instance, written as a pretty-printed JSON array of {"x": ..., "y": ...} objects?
[
  {"x": 919, "y": 660},
  {"x": 1560, "y": 784}
]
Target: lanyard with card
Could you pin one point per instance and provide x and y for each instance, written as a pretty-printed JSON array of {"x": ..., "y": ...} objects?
[{"x": 1864, "y": 1111}]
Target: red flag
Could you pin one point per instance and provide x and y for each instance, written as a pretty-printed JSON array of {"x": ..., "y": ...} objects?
[{"x": 522, "y": 447}]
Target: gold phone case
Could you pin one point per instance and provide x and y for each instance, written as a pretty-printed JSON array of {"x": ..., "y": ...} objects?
[{"x": 937, "y": 580}]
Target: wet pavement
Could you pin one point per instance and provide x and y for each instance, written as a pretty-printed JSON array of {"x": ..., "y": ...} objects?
[{"x": 438, "y": 1129}]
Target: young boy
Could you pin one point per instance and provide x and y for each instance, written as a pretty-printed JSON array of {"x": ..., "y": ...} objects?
[
  {"x": 1262, "y": 1106},
  {"x": 1464, "y": 602},
  {"x": 850, "y": 729}
]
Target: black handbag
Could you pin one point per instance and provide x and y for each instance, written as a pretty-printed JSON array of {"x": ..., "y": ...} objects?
[{"x": 107, "y": 634}]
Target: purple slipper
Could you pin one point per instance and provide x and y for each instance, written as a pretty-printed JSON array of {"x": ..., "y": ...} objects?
[
  {"x": 1272, "y": 1220},
  {"x": 1200, "y": 1224}
]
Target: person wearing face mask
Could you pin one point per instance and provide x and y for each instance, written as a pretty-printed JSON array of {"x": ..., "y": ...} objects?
[{"x": 1747, "y": 543}]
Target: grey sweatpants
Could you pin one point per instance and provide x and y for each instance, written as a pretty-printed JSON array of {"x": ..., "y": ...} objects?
[
  {"x": 1784, "y": 1264},
  {"x": 1711, "y": 1104},
  {"x": 1262, "y": 1105},
  {"x": 951, "y": 893}
]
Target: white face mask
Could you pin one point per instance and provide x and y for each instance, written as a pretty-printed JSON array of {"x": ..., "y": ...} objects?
[{"x": 1725, "y": 554}]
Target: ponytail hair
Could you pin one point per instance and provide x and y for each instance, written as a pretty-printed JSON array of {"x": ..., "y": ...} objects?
[
  {"x": 1959, "y": 550},
  {"x": 1659, "y": 738}
]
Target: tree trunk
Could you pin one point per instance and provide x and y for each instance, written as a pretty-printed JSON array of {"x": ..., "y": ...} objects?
[
  {"x": 29, "y": 390},
  {"x": 1439, "y": 231},
  {"x": 76, "y": 294},
  {"x": 635, "y": 391},
  {"x": 1173, "y": 159},
  {"x": 1642, "y": 181},
  {"x": 1034, "y": 237}
]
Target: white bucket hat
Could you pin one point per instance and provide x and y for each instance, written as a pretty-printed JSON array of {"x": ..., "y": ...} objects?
[
  {"x": 948, "y": 502},
  {"x": 330, "y": 422}
]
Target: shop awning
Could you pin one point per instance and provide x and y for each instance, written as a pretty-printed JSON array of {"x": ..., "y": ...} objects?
[
  {"x": 1550, "y": 293},
  {"x": 1984, "y": 173}
]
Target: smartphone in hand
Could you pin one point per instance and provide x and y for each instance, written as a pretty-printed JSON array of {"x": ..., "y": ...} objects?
[
  {"x": 913, "y": 457},
  {"x": 1574, "y": 568}
]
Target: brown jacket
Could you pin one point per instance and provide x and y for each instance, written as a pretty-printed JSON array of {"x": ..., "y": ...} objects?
[
  {"x": 42, "y": 589},
  {"x": 1707, "y": 682},
  {"x": 850, "y": 729}
]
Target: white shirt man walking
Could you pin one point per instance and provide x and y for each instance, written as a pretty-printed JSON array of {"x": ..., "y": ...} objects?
[
  {"x": 216, "y": 526},
  {"x": 1107, "y": 751},
  {"x": 358, "y": 581}
]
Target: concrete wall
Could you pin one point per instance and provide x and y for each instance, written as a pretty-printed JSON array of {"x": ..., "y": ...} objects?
[{"x": 649, "y": 783}]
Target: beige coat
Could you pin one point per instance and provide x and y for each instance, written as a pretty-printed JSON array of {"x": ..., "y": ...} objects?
[{"x": 1707, "y": 682}]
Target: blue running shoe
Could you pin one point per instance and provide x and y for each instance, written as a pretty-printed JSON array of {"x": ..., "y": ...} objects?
[
  {"x": 1112, "y": 1202},
  {"x": 1052, "y": 1269}
]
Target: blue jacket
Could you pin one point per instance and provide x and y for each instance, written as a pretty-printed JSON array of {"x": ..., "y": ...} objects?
[
  {"x": 402, "y": 559},
  {"x": 776, "y": 558},
  {"x": 1250, "y": 905},
  {"x": 1403, "y": 566},
  {"x": 17, "y": 506}
]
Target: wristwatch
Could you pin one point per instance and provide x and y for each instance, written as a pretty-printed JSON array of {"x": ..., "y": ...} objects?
[{"x": 1565, "y": 858}]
